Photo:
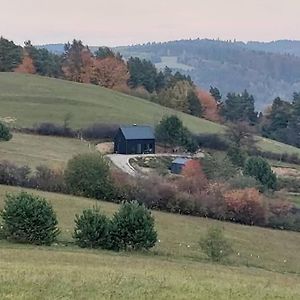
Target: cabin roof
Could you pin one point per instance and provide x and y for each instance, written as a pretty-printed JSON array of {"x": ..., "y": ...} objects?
[{"x": 138, "y": 132}]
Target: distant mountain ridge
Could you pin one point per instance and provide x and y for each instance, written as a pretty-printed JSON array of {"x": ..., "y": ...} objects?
[{"x": 265, "y": 69}]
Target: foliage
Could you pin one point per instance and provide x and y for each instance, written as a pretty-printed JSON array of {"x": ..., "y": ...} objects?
[
  {"x": 260, "y": 169},
  {"x": 241, "y": 182},
  {"x": 104, "y": 52},
  {"x": 237, "y": 156},
  {"x": 210, "y": 108},
  {"x": 239, "y": 107},
  {"x": 218, "y": 168},
  {"x": 88, "y": 175},
  {"x": 215, "y": 92},
  {"x": 5, "y": 134},
  {"x": 29, "y": 219},
  {"x": 245, "y": 207},
  {"x": 10, "y": 55},
  {"x": 132, "y": 228},
  {"x": 211, "y": 141},
  {"x": 91, "y": 229},
  {"x": 215, "y": 245},
  {"x": 170, "y": 131}
]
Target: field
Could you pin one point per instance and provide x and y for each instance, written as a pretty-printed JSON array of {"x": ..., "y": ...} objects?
[
  {"x": 265, "y": 263},
  {"x": 32, "y": 99},
  {"x": 172, "y": 62},
  {"x": 33, "y": 150}
]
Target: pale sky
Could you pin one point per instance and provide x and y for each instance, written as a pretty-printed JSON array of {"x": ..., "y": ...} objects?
[{"x": 125, "y": 22}]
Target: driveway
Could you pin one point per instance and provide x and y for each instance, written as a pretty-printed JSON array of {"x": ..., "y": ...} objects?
[{"x": 122, "y": 160}]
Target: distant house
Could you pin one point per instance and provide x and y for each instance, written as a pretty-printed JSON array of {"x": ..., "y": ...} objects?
[
  {"x": 134, "y": 139},
  {"x": 178, "y": 164}
]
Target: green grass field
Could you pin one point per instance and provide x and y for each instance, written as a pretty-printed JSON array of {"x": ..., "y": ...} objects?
[
  {"x": 34, "y": 150},
  {"x": 265, "y": 263},
  {"x": 33, "y": 99}
]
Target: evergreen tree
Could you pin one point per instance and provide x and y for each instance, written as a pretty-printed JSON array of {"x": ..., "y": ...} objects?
[
  {"x": 195, "y": 107},
  {"x": 10, "y": 55},
  {"x": 215, "y": 93}
]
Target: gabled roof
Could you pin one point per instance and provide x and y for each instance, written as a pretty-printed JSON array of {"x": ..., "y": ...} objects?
[
  {"x": 180, "y": 161},
  {"x": 138, "y": 132}
]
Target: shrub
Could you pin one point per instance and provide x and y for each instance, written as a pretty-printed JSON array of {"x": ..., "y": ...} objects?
[
  {"x": 5, "y": 134},
  {"x": 215, "y": 245},
  {"x": 211, "y": 141},
  {"x": 100, "y": 131},
  {"x": 245, "y": 206},
  {"x": 47, "y": 179},
  {"x": 132, "y": 228},
  {"x": 91, "y": 229},
  {"x": 88, "y": 175},
  {"x": 289, "y": 184},
  {"x": 260, "y": 169},
  {"x": 237, "y": 156},
  {"x": 240, "y": 182},
  {"x": 51, "y": 129},
  {"x": 29, "y": 219},
  {"x": 11, "y": 174}
]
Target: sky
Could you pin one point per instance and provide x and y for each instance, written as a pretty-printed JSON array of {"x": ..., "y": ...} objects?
[{"x": 120, "y": 22}]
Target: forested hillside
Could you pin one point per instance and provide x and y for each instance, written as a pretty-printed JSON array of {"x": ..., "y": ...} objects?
[{"x": 231, "y": 66}]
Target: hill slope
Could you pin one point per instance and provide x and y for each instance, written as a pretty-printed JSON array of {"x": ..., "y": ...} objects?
[
  {"x": 32, "y": 99},
  {"x": 175, "y": 269}
]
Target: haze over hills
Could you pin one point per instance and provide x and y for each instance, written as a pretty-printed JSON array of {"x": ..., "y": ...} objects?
[{"x": 265, "y": 69}]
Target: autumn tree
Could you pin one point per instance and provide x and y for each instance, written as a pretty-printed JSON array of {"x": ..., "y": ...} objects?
[
  {"x": 110, "y": 72},
  {"x": 209, "y": 106}
]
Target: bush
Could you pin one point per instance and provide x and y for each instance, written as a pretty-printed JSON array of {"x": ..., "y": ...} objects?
[
  {"x": 215, "y": 245},
  {"x": 132, "y": 228},
  {"x": 47, "y": 179},
  {"x": 100, "y": 131},
  {"x": 11, "y": 174},
  {"x": 91, "y": 229},
  {"x": 245, "y": 207},
  {"x": 5, "y": 134},
  {"x": 51, "y": 129},
  {"x": 290, "y": 184},
  {"x": 240, "y": 182},
  {"x": 29, "y": 219},
  {"x": 260, "y": 169},
  {"x": 211, "y": 141},
  {"x": 88, "y": 175}
]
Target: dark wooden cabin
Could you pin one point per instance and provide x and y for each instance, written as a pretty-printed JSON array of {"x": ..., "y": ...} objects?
[{"x": 134, "y": 139}]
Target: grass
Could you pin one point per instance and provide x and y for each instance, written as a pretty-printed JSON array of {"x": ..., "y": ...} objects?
[
  {"x": 33, "y": 150},
  {"x": 172, "y": 62},
  {"x": 33, "y": 99},
  {"x": 267, "y": 266}
]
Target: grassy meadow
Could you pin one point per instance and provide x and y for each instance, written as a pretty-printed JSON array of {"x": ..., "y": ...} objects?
[
  {"x": 34, "y": 150},
  {"x": 265, "y": 263}
]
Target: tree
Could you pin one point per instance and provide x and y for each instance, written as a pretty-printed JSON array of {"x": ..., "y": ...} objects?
[
  {"x": 104, "y": 52},
  {"x": 132, "y": 228},
  {"x": 239, "y": 107},
  {"x": 88, "y": 175},
  {"x": 5, "y": 134},
  {"x": 29, "y": 219},
  {"x": 142, "y": 73},
  {"x": 260, "y": 169},
  {"x": 11, "y": 55},
  {"x": 91, "y": 229},
  {"x": 194, "y": 104},
  {"x": 215, "y": 245},
  {"x": 215, "y": 93}
]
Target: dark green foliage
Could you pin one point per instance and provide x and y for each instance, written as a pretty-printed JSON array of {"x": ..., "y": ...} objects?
[
  {"x": 260, "y": 169},
  {"x": 5, "y": 134},
  {"x": 10, "y": 55},
  {"x": 45, "y": 62},
  {"x": 170, "y": 131},
  {"x": 215, "y": 93},
  {"x": 195, "y": 107},
  {"x": 88, "y": 175},
  {"x": 132, "y": 228},
  {"x": 29, "y": 219},
  {"x": 142, "y": 73},
  {"x": 215, "y": 245},
  {"x": 239, "y": 107},
  {"x": 91, "y": 229},
  {"x": 237, "y": 156},
  {"x": 104, "y": 52}
]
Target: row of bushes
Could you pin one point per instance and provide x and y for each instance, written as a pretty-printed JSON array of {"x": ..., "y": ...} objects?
[
  {"x": 238, "y": 200},
  {"x": 92, "y": 132},
  {"x": 31, "y": 219}
]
